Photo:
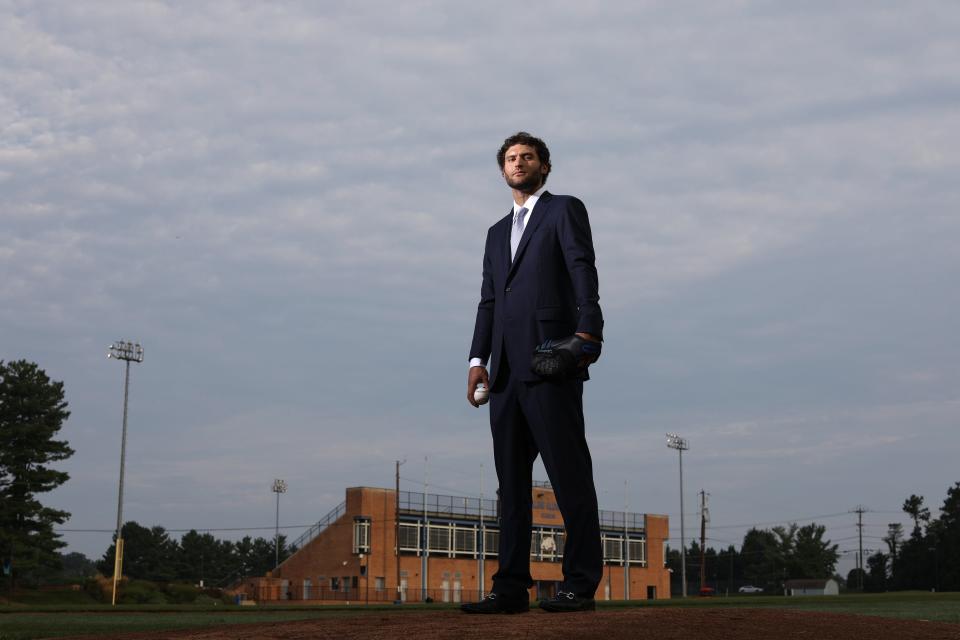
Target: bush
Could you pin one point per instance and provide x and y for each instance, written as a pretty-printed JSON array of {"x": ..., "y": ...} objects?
[
  {"x": 141, "y": 592},
  {"x": 181, "y": 593}
]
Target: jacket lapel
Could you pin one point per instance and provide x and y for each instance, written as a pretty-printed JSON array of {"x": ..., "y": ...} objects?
[
  {"x": 503, "y": 260},
  {"x": 539, "y": 209}
]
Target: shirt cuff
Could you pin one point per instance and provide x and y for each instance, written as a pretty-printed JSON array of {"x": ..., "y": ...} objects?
[{"x": 477, "y": 362}]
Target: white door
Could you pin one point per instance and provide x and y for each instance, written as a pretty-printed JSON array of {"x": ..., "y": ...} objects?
[
  {"x": 445, "y": 587},
  {"x": 456, "y": 590},
  {"x": 403, "y": 589}
]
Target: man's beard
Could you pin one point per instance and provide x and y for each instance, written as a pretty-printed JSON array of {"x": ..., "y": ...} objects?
[{"x": 526, "y": 185}]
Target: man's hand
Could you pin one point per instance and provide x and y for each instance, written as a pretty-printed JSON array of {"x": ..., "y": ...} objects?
[
  {"x": 586, "y": 361},
  {"x": 475, "y": 376}
]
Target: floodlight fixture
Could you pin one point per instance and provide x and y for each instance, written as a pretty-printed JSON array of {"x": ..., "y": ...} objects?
[
  {"x": 676, "y": 442},
  {"x": 128, "y": 352}
]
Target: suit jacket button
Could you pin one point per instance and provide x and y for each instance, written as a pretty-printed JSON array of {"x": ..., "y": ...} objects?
[{"x": 508, "y": 289}]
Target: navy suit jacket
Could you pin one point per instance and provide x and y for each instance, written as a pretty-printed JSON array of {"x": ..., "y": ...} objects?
[{"x": 550, "y": 290}]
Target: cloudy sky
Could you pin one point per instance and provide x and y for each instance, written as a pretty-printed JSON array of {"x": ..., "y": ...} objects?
[{"x": 286, "y": 204}]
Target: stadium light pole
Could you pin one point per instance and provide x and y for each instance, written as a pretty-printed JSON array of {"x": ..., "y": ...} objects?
[
  {"x": 128, "y": 352},
  {"x": 680, "y": 444},
  {"x": 279, "y": 486}
]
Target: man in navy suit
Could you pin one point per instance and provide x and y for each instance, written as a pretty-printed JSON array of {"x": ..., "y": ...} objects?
[{"x": 539, "y": 283}]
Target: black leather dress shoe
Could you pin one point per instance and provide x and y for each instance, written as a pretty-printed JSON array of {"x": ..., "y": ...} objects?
[
  {"x": 567, "y": 602},
  {"x": 498, "y": 603}
]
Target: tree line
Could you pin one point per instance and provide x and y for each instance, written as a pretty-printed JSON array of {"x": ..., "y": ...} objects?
[
  {"x": 766, "y": 559},
  {"x": 151, "y": 554},
  {"x": 928, "y": 559}
]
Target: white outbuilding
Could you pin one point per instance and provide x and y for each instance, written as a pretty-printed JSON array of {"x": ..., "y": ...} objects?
[{"x": 828, "y": 587}]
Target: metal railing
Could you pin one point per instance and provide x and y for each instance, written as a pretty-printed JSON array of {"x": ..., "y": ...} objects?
[
  {"x": 615, "y": 519},
  {"x": 321, "y": 525},
  {"x": 448, "y": 506}
]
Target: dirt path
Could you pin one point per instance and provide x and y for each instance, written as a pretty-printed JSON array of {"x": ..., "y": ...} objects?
[{"x": 655, "y": 624}]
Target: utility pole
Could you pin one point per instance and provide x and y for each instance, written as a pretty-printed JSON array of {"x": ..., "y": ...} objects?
[
  {"x": 704, "y": 516},
  {"x": 128, "y": 352},
  {"x": 397, "y": 518},
  {"x": 860, "y": 510}
]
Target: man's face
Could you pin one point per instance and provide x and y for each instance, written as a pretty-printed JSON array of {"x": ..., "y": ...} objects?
[{"x": 522, "y": 168}]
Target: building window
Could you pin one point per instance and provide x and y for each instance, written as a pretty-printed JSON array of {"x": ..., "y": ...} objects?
[
  {"x": 334, "y": 584},
  {"x": 612, "y": 548},
  {"x": 638, "y": 551},
  {"x": 361, "y": 535},
  {"x": 380, "y": 584},
  {"x": 464, "y": 540},
  {"x": 491, "y": 543},
  {"x": 439, "y": 539},
  {"x": 548, "y": 545},
  {"x": 409, "y": 538}
]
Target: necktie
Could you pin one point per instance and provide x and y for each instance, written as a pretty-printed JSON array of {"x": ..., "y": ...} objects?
[{"x": 517, "y": 232}]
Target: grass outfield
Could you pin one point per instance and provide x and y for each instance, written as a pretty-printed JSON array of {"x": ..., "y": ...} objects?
[{"x": 18, "y": 622}]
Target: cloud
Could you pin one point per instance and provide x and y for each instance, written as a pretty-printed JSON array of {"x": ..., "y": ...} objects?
[{"x": 286, "y": 204}]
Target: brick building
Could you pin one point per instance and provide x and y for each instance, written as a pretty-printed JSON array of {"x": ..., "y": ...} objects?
[{"x": 350, "y": 555}]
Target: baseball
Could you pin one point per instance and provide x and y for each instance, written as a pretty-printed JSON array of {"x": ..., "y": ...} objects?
[{"x": 481, "y": 394}]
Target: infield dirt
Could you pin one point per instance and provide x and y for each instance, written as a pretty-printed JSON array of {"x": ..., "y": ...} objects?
[{"x": 655, "y": 624}]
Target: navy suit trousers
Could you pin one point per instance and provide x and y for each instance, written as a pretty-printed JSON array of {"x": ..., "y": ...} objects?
[{"x": 545, "y": 418}]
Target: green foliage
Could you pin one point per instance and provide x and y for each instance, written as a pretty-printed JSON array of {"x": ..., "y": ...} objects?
[
  {"x": 76, "y": 566},
  {"x": 813, "y": 557},
  {"x": 141, "y": 592},
  {"x": 150, "y": 554},
  {"x": 32, "y": 411},
  {"x": 930, "y": 558},
  {"x": 181, "y": 593},
  {"x": 913, "y": 506},
  {"x": 855, "y": 578},
  {"x": 764, "y": 564},
  {"x": 876, "y": 580}
]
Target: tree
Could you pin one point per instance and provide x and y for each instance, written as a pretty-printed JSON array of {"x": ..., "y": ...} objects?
[
  {"x": 856, "y": 577},
  {"x": 203, "y": 557},
  {"x": 913, "y": 506},
  {"x": 946, "y": 541},
  {"x": 77, "y": 566},
  {"x": 148, "y": 554},
  {"x": 763, "y": 563},
  {"x": 893, "y": 539},
  {"x": 876, "y": 572},
  {"x": 812, "y": 556},
  {"x": 32, "y": 411}
]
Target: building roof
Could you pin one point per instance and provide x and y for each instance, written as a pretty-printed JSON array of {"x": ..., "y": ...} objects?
[{"x": 807, "y": 583}]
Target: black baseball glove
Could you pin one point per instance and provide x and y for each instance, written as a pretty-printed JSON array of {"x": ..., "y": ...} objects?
[{"x": 564, "y": 358}]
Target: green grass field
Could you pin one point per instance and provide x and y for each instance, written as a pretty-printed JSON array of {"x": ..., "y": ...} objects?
[{"x": 23, "y": 621}]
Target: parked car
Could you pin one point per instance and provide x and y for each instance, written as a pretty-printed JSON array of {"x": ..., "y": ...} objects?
[
  {"x": 707, "y": 592},
  {"x": 750, "y": 589}
]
